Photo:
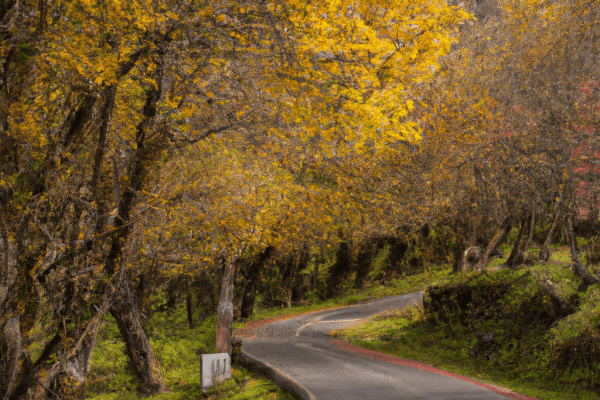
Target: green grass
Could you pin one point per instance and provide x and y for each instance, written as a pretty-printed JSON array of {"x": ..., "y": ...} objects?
[
  {"x": 178, "y": 349},
  {"x": 523, "y": 356}
]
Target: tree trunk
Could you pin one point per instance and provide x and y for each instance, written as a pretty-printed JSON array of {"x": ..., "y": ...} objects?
[
  {"x": 395, "y": 256},
  {"x": 225, "y": 311},
  {"x": 576, "y": 266},
  {"x": 592, "y": 214},
  {"x": 510, "y": 261},
  {"x": 288, "y": 298},
  {"x": 5, "y": 250},
  {"x": 10, "y": 356},
  {"x": 70, "y": 377},
  {"x": 205, "y": 296},
  {"x": 251, "y": 278},
  {"x": 137, "y": 344},
  {"x": 190, "y": 310},
  {"x": 315, "y": 272},
  {"x": 545, "y": 251},
  {"x": 336, "y": 271},
  {"x": 524, "y": 247},
  {"x": 457, "y": 263},
  {"x": 495, "y": 243},
  {"x": 66, "y": 378},
  {"x": 554, "y": 293},
  {"x": 363, "y": 263}
]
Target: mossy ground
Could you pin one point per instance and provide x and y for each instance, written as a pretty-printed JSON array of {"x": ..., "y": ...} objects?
[{"x": 178, "y": 348}]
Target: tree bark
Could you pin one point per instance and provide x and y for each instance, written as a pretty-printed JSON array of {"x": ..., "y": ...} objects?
[
  {"x": 224, "y": 329},
  {"x": 190, "y": 310},
  {"x": 336, "y": 271},
  {"x": 205, "y": 297},
  {"x": 137, "y": 344},
  {"x": 70, "y": 379},
  {"x": 457, "y": 263},
  {"x": 251, "y": 278},
  {"x": 10, "y": 356},
  {"x": 545, "y": 251},
  {"x": 514, "y": 254},
  {"x": 577, "y": 266},
  {"x": 5, "y": 249},
  {"x": 523, "y": 249},
  {"x": 554, "y": 293},
  {"x": 495, "y": 243},
  {"x": 363, "y": 262},
  {"x": 66, "y": 378}
]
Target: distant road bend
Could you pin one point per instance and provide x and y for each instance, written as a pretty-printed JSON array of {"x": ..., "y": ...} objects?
[{"x": 301, "y": 348}]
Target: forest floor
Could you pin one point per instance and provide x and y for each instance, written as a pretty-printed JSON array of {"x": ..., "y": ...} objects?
[
  {"x": 521, "y": 364},
  {"x": 178, "y": 349}
]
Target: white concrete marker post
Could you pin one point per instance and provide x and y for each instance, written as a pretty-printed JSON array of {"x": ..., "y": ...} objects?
[{"x": 214, "y": 367}]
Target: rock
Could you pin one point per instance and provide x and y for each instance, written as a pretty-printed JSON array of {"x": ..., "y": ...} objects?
[{"x": 484, "y": 339}]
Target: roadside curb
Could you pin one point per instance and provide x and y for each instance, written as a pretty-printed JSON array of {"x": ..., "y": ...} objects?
[
  {"x": 279, "y": 377},
  {"x": 426, "y": 367}
]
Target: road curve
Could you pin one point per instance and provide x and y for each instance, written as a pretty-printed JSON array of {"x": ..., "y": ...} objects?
[{"x": 300, "y": 348}]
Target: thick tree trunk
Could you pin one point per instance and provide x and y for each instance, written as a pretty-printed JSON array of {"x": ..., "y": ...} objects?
[
  {"x": 576, "y": 265},
  {"x": 288, "y": 298},
  {"x": 524, "y": 247},
  {"x": 363, "y": 263},
  {"x": 11, "y": 350},
  {"x": 495, "y": 243},
  {"x": 514, "y": 254},
  {"x": 549, "y": 287},
  {"x": 18, "y": 313},
  {"x": 545, "y": 251},
  {"x": 247, "y": 307},
  {"x": 205, "y": 296},
  {"x": 457, "y": 263},
  {"x": 336, "y": 271},
  {"x": 225, "y": 310},
  {"x": 70, "y": 380},
  {"x": 137, "y": 344},
  {"x": 189, "y": 306},
  {"x": 314, "y": 280},
  {"x": 251, "y": 275},
  {"x": 395, "y": 256},
  {"x": 592, "y": 213},
  {"x": 5, "y": 250},
  {"x": 66, "y": 378}
]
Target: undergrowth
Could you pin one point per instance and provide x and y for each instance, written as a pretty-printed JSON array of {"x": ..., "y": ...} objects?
[{"x": 178, "y": 349}]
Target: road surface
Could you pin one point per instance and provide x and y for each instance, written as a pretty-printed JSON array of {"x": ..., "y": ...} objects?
[{"x": 302, "y": 349}]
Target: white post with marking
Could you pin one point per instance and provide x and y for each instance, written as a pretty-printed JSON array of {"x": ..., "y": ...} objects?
[{"x": 214, "y": 367}]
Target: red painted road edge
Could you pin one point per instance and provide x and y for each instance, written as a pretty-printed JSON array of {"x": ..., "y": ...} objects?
[{"x": 426, "y": 367}]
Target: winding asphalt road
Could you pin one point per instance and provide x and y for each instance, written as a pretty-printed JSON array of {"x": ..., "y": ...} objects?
[{"x": 301, "y": 348}]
